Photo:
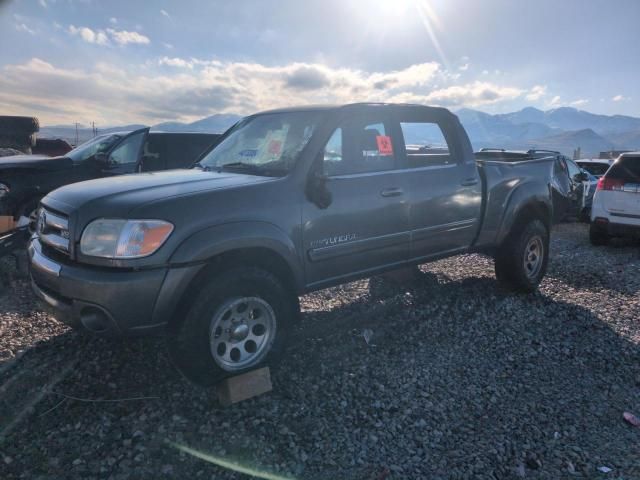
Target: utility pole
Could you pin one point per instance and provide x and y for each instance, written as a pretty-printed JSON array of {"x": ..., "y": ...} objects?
[{"x": 76, "y": 134}]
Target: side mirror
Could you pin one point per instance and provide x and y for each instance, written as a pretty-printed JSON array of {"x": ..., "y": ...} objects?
[
  {"x": 317, "y": 190},
  {"x": 581, "y": 177}
]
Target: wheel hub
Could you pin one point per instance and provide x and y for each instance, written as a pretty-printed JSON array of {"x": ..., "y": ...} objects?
[
  {"x": 533, "y": 256},
  {"x": 241, "y": 332}
]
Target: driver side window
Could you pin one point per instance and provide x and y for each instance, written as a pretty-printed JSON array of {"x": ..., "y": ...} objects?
[
  {"x": 128, "y": 150},
  {"x": 359, "y": 146}
]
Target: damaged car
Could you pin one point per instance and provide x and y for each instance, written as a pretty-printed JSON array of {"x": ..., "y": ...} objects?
[{"x": 25, "y": 179}]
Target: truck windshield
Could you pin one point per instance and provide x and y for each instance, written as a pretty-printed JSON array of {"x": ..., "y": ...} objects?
[
  {"x": 268, "y": 144},
  {"x": 88, "y": 149}
]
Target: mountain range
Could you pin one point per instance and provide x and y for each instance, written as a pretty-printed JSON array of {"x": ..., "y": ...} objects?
[{"x": 564, "y": 129}]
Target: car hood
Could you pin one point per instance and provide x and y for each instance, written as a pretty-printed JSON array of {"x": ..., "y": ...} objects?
[
  {"x": 35, "y": 161},
  {"x": 125, "y": 192}
]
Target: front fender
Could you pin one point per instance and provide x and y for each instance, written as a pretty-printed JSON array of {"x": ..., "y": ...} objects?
[{"x": 213, "y": 241}]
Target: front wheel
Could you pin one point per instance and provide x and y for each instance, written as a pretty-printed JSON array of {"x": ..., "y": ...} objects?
[
  {"x": 521, "y": 261},
  {"x": 237, "y": 322}
]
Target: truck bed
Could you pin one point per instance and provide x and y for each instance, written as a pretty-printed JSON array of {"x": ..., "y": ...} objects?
[{"x": 503, "y": 182}]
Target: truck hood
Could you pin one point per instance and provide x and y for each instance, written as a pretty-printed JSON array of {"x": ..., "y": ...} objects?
[
  {"x": 123, "y": 193},
  {"x": 34, "y": 162}
]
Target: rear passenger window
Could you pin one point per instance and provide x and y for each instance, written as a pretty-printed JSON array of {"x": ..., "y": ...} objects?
[
  {"x": 626, "y": 169},
  {"x": 358, "y": 147},
  {"x": 425, "y": 144}
]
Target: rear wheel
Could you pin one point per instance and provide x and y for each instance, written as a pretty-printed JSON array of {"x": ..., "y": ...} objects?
[
  {"x": 237, "y": 322},
  {"x": 522, "y": 259},
  {"x": 597, "y": 236}
]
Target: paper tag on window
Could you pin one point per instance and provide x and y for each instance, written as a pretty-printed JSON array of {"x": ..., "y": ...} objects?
[
  {"x": 384, "y": 145},
  {"x": 275, "y": 147}
]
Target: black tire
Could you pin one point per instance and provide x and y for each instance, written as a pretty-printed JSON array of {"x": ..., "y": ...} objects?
[
  {"x": 189, "y": 342},
  {"x": 512, "y": 269},
  {"x": 18, "y": 125},
  {"x": 585, "y": 215},
  {"x": 597, "y": 236}
]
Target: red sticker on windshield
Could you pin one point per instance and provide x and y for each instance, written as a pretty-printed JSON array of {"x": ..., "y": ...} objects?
[
  {"x": 384, "y": 145},
  {"x": 275, "y": 147}
]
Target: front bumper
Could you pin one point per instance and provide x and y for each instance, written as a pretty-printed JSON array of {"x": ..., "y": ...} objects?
[
  {"x": 107, "y": 301},
  {"x": 13, "y": 240}
]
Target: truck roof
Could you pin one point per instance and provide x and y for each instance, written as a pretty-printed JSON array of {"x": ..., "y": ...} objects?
[{"x": 311, "y": 108}]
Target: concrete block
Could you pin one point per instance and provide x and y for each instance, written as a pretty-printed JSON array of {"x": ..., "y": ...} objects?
[{"x": 244, "y": 386}]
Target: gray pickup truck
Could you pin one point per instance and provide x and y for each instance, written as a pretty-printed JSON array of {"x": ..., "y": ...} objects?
[{"x": 289, "y": 201}]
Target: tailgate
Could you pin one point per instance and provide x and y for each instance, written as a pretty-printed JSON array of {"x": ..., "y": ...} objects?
[
  {"x": 621, "y": 187},
  {"x": 626, "y": 200}
]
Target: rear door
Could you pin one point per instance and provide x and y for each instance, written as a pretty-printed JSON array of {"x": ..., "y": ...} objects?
[
  {"x": 366, "y": 225},
  {"x": 621, "y": 196},
  {"x": 126, "y": 155},
  {"x": 445, "y": 191},
  {"x": 579, "y": 188}
]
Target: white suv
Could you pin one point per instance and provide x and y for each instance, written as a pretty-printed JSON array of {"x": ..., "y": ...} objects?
[{"x": 616, "y": 204}]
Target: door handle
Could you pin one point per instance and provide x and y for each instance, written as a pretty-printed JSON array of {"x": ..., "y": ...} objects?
[
  {"x": 391, "y": 192},
  {"x": 469, "y": 182}
]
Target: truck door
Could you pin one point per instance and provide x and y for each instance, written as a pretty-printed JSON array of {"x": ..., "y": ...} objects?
[
  {"x": 125, "y": 156},
  {"x": 562, "y": 193},
  {"x": 445, "y": 190},
  {"x": 577, "y": 187},
  {"x": 366, "y": 224}
]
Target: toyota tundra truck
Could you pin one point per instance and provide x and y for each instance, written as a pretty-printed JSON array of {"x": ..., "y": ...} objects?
[{"x": 289, "y": 201}]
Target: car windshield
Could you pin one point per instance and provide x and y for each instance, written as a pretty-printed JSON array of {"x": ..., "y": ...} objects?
[
  {"x": 267, "y": 144},
  {"x": 88, "y": 149},
  {"x": 597, "y": 169}
]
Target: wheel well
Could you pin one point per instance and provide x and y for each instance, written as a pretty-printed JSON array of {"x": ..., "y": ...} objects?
[
  {"x": 260, "y": 257},
  {"x": 533, "y": 210},
  {"x": 537, "y": 210}
]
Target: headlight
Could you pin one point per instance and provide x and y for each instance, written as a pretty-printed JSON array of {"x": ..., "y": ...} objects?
[
  {"x": 111, "y": 238},
  {"x": 4, "y": 190}
]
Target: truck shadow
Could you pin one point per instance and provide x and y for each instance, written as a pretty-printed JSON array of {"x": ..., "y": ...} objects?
[{"x": 460, "y": 350}]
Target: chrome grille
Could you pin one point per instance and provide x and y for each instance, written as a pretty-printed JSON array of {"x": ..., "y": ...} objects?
[{"x": 53, "y": 230}]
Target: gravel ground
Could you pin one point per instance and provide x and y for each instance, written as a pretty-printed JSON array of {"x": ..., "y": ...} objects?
[{"x": 458, "y": 380}]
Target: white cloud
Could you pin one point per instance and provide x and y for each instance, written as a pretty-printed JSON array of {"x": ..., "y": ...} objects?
[
  {"x": 470, "y": 95},
  {"x": 555, "y": 101},
  {"x": 22, "y": 27},
  {"x": 485, "y": 72},
  {"x": 165, "y": 14},
  {"x": 536, "y": 93},
  {"x": 124, "y": 37},
  {"x": 464, "y": 67},
  {"x": 176, "y": 62},
  {"x": 618, "y": 98},
  {"x": 113, "y": 20},
  {"x": 580, "y": 102},
  {"x": 195, "y": 88},
  {"x": 98, "y": 37},
  {"x": 168, "y": 46}
]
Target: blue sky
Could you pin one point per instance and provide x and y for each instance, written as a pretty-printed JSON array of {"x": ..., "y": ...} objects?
[{"x": 116, "y": 62}]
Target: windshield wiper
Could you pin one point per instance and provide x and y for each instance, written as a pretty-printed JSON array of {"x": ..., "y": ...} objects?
[
  {"x": 253, "y": 168},
  {"x": 204, "y": 168}
]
